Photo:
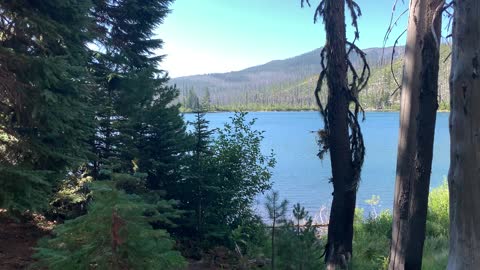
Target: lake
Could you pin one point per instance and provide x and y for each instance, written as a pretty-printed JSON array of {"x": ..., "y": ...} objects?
[{"x": 300, "y": 176}]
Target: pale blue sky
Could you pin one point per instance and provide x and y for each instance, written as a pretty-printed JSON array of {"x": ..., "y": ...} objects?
[{"x": 208, "y": 36}]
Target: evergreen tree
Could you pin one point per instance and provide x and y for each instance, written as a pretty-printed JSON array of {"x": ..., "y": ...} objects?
[
  {"x": 115, "y": 234},
  {"x": 160, "y": 142},
  {"x": 192, "y": 102},
  {"x": 206, "y": 100},
  {"x": 129, "y": 79},
  {"x": 276, "y": 212},
  {"x": 300, "y": 214},
  {"x": 45, "y": 113},
  {"x": 299, "y": 248},
  {"x": 200, "y": 176}
]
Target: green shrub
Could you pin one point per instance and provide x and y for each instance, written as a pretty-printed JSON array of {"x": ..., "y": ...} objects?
[
  {"x": 371, "y": 244},
  {"x": 72, "y": 196},
  {"x": 438, "y": 219},
  {"x": 435, "y": 251},
  {"x": 251, "y": 237},
  {"x": 115, "y": 234},
  {"x": 299, "y": 250}
]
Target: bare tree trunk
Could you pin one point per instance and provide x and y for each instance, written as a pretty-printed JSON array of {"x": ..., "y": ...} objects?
[
  {"x": 273, "y": 241},
  {"x": 464, "y": 173},
  {"x": 418, "y": 109},
  {"x": 342, "y": 135},
  {"x": 340, "y": 228}
]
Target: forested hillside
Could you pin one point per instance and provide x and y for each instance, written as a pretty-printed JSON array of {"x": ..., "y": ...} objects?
[{"x": 288, "y": 84}]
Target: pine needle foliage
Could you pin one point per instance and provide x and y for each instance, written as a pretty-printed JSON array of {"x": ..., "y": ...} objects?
[
  {"x": 45, "y": 117},
  {"x": 115, "y": 234}
]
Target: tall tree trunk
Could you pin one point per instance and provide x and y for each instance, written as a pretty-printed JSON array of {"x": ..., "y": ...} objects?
[
  {"x": 340, "y": 228},
  {"x": 418, "y": 109},
  {"x": 342, "y": 135},
  {"x": 464, "y": 173},
  {"x": 273, "y": 241}
]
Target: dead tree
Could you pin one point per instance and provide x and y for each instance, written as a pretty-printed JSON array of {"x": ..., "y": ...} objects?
[
  {"x": 418, "y": 108},
  {"x": 463, "y": 176},
  {"x": 341, "y": 135}
]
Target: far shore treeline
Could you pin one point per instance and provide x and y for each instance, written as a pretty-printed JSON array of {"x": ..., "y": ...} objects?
[{"x": 287, "y": 85}]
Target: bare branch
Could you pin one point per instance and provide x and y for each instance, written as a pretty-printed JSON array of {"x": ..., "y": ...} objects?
[
  {"x": 438, "y": 12},
  {"x": 391, "y": 63},
  {"x": 305, "y": 1}
]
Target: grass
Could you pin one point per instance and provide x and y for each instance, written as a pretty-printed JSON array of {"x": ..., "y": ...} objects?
[
  {"x": 372, "y": 236},
  {"x": 371, "y": 244}
]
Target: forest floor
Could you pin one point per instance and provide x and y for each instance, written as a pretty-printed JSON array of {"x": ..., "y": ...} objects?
[
  {"x": 18, "y": 239},
  {"x": 193, "y": 265}
]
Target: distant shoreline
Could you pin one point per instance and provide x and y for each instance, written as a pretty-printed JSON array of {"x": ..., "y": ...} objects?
[{"x": 298, "y": 110}]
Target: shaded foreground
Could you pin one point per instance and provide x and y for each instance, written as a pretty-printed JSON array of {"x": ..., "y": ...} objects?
[
  {"x": 371, "y": 241},
  {"x": 17, "y": 241}
]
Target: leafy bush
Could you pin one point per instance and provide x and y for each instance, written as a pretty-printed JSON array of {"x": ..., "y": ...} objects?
[
  {"x": 436, "y": 243},
  {"x": 71, "y": 199},
  {"x": 251, "y": 237},
  {"x": 296, "y": 243},
  {"x": 371, "y": 242},
  {"x": 224, "y": 174},
  {"x": 299, "y": 249},
  {"x": 373, "y": 235},
  {"x": 438, "y": 216},
  {"x": 115, "y": 234}
]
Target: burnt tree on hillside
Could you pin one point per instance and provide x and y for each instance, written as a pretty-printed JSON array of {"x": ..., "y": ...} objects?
[{"x": 341, "y": 135}]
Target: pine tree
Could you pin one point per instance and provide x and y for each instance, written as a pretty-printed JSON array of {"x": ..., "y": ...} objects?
[
  {"x": 200, "y": 175},
  {"x": 192, "y": 102},
  {"x": 45, "y": 113},
  {"x": 129, "y": 79},
  {"x": 115, "y": 234},
  {"x": 205, "y": 104},
  {"x": 276, "y": 212},
  {"x": 298, "y": 248},
  {"x": 299, "y": 213},
  {"x": 160, "y": 142}
]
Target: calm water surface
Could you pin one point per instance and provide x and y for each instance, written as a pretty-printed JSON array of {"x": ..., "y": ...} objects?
[{"x": 300, "y": 176}]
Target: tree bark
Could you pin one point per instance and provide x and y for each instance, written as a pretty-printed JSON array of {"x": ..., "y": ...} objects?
[
  {"x": 340, "y": 228},
  {"x": 273, "y": 240},
  {"x": 418, "y": 109},
  {"x": 464, "y": 173}
]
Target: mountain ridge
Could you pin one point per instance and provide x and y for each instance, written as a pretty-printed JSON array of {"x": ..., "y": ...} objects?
[{"x": 288, "y": 83}]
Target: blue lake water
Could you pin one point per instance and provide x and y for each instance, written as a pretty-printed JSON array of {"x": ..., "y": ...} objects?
[{"x": 300, "y": 176}]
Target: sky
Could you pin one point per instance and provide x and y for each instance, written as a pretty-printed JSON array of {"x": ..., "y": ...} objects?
[{"x": 216, "y": 36}]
